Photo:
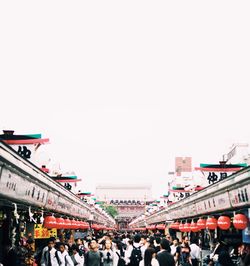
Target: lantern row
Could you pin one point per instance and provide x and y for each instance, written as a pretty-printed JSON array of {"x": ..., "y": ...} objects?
[
  {"x": 61, "y": 223},
  {"x": 240, "y": 221}
]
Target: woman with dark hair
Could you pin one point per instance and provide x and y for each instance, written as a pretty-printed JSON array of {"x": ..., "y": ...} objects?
[{"x": 149, "y": 258}]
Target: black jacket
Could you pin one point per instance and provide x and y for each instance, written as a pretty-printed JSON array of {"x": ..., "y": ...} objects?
[{"x": 165, "y": 258}]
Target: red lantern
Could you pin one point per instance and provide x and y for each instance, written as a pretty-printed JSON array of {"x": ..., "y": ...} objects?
[
  {"x": 60, "y": 223},
  {"x": 49, "y": 222},
  {"x": 224, "y": 222},
  {"x": 201, "y": 224},
  {"x": 67, "y": 224},
  {"x": 211, "y": 223},
  {"x": 78, "y": 224},
  {"x": 187, "y": 227},
  {"x": 176, "y": 225},
  {"x": 181, "y": 227},
  {"x": 194, "y": 228},
  {"x": 74, "y": 224},
  {"x": 160, "y": 227},
  {"x": 240, "y": 221}
]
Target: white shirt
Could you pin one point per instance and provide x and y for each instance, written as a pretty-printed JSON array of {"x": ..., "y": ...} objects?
[
  {"x": 65, "y": 259},
  {"x": 129, "y": 251},
  {"x": 195, "y": 251},
  {"x": 53, "y": 258},
  {"x": 79, "y": 259}
]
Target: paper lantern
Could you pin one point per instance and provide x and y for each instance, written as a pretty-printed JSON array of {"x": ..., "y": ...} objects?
[
  {"x": 224, "y": 222},
  {"x": 181, "y": 227},
  {"x": 60, "y": 223},
  {"x": 240, "y": 221},
  {"x": 194, "y": 228},
  {"x": 211, "y": 223},
  {"x": 160, "y": 226},
  {"x": 74, "y": 224},
  {"x": 187, "y": 227},
  {"x": 201, "y": 224},
  {"x": 67, "y": 223},
  {"x": 176, "y": 225},
  {"x": 49, "y": 222}
]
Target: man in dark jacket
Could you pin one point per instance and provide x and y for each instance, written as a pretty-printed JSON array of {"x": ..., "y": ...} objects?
[{"x": 164, "y": 257}]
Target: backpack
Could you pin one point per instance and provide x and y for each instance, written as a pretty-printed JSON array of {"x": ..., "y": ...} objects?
[
  {"x": 136, "y": 256},
  {"x": 121, "y": 261}
]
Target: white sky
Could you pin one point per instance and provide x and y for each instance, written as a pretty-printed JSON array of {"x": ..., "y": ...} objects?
[{"x": 122, "y": 87}]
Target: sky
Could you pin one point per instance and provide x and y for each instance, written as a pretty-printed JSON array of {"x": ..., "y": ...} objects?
[{"x": 123, "y": 87}]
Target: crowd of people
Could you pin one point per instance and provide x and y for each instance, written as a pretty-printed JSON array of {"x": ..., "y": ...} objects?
[{"x": 128, "y": 249}]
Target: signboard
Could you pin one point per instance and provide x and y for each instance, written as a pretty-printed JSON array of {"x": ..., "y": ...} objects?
[
  {"x": 17, "y": 186},
  {"x": 240, "y": 196},
  {"x": 41, "y": 232},
  {"x": 216, "y": 203},
  {"x": 63, "y": 205},
  {"x": 52, "y": 200},
  {"x": 246, "y": 232}
]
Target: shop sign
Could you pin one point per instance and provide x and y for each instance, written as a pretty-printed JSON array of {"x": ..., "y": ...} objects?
[
  {"x": 63, "y": 205},
  {"x": 42, "y": 232},
  {"x": 219, "y": 202},
  {"x": 19, "y": 187},
  {"x": 52, "y": 201},
  {"x": 240, "y": 196},
  {"x": 246, "y": 232}
]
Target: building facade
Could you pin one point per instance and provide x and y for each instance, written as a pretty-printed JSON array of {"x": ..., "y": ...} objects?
[{"x": 129, "y": 200}]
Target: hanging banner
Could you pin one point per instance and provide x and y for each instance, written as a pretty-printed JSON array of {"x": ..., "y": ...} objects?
[
  {"x": 20, "y": 187},
  {"x": 240, "y": 196},
  {"x": 41, "y": 232},
  {"x": 246, "y": 232}
]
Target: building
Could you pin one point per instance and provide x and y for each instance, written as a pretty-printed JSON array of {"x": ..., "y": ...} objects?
[
  {"x": 183, "y": 164},
  {"x": 130, "y": 200}
]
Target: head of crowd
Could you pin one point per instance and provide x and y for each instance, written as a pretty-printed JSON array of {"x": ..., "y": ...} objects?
[{"x": 128, "y": 248}]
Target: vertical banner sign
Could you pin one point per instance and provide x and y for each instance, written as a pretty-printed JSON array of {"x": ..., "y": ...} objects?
[{"x": 246, "y": 232}]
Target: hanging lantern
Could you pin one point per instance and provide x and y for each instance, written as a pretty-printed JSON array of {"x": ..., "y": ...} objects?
[
  {"x": 49, "y": 222},
  {"x": 60, "y": 223},
  {"x": 201, "y": 224},
  {"x": 176, "y": 225},
  {"x": 81, "y": 226},
  {"x": 187, "y": 227},
  {"x": 74, "y": 224},
  {"x": 67, "y": 223},
  {"x": 181, "y": 227},
  {"x": 211, "y": 223},
  {"x": 224, "y": 222},
  {"x": 194, "y": 227},
  {"x": 160, "y": 226},
  {"x": 240, "y": 221},
  {"x": 78, "y": 224}
]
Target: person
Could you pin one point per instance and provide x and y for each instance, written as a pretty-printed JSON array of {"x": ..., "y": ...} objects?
[
  {"x": 195, "y": 252},
  {"x": 107, "y": 254},
  {"x": 76, "y": 258},
  {"x": 149, "y": 258},
  {"x": 157, "y": 243},
  {"x": 224, "y": 259},
  {"x": 134, "y": 254},
  {"x": 144, "y": 244},
  {"x": 64, "y": 256},
  {"x": 81, "y": 247},
  {"x": 175, "y": 250},
  {"x": 119, "y": 256},
  {"x": 185, "y": 258},
  {"x": 50, "y": 256},
  {"x": 93, "y": 256},
  {"x": 163, "y": 256}
]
